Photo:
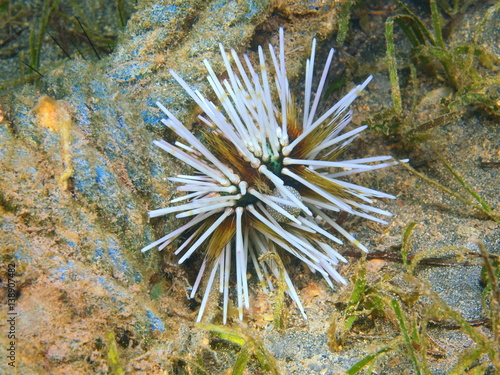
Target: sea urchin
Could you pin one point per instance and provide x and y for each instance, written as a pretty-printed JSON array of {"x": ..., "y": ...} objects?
[{"x": 265, "y": 179}]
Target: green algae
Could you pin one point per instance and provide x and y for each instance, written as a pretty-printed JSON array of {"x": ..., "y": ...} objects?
[
  {"x": 250, "y": 346},
  {"x": 113, "y": 356}
]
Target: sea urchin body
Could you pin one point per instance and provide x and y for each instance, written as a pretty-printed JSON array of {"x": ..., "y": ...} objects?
[{"x": 265, "y": 180}]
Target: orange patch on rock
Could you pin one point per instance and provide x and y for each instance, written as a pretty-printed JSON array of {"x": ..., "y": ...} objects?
[{"x": 55, "y": 115}]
